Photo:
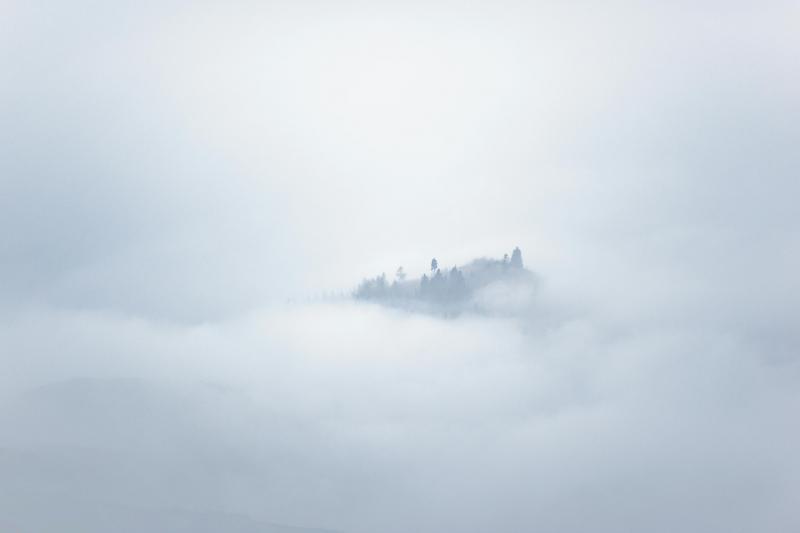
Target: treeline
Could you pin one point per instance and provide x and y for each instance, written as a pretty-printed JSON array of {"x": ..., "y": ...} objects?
[{"x": 441, "y": 287}]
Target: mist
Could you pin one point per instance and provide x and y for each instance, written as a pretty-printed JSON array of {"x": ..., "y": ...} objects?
[{"x": 191, "y": 194}]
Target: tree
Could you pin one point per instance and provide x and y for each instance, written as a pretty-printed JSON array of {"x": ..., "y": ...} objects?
[
  {"x": 401, "y": 274},
  {"x": 380, "y": 285},
  {"x": 457, "y": 285},
  {"x": 434, "y": 265},
  {"x": 372, "y": 288},
  {"x": 437, "y": 287},
  {"x": 516, "y": 258}
]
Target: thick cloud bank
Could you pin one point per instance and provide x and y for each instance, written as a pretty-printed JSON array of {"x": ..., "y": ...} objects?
[{"x": 361, "y": 419}]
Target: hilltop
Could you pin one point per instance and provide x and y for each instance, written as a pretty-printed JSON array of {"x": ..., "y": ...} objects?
[{"x": 480, "y": 285}]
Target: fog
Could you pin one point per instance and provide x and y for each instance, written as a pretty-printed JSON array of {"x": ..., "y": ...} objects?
[{"x": 190, "y": 193}]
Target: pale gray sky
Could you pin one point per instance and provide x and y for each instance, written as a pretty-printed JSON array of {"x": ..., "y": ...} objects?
[{"x": 201, "y": 157}]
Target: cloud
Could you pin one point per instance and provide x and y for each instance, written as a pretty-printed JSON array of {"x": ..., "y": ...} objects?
[
  {"x": 363, "y": 419},
  {"x": 172, "y": 175}
]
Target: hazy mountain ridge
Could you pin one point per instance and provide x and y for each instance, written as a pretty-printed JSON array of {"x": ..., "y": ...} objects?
[
  {"x": 75, "y": 515},
  {"x": 123, "y": 455}
]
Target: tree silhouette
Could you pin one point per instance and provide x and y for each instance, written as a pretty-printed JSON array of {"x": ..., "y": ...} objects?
[
  {"x": 457, "y": 285},
  {"x": 448, "y": 290},
  {"x": 516, "y": 258}
]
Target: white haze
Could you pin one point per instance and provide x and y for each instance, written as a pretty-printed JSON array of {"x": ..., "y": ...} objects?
[{"x": 182, "y": 184}]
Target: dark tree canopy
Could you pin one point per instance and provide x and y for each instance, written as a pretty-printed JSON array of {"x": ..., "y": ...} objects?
[
  {"x": 516, "y": 258},
  {"x": 448, "y": 290}
]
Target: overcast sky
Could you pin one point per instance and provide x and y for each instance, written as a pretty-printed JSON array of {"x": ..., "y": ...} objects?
[{"x": 179, "y": 181}]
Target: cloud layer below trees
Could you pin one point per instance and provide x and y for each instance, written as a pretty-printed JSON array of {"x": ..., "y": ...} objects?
[{"x": 363, "y": 419}]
